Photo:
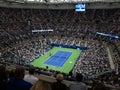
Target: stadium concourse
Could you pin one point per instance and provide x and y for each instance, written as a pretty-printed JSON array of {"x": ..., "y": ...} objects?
[{"x": 19, "y": 46}]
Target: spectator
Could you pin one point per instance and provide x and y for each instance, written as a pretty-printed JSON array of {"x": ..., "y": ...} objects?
[
  {"x": 78, "y": 85},
  {"x": 30, "y": 77},
  {"x": 18, "y": 83},
  {"x": 59, "y": 85}
]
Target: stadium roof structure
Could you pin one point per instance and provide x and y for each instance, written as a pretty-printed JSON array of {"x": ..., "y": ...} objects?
[
  {"x": 60, "y": 4},
  {"x": 59, "y": 1}
]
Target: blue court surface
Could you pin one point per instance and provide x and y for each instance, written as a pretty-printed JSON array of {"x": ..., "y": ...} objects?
[{"x": 58, "y": 59}]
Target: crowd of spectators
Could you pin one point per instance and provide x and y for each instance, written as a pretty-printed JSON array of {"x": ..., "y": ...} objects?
[
  {"x": 25, "y": 53},
  {"x": 94, "y": 59},
  {"x": 16, "y": 24},
  {"x": 15, "y": 79}
]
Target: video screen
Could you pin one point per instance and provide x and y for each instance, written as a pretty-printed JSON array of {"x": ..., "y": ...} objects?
[{"x": 80, "y": 7}]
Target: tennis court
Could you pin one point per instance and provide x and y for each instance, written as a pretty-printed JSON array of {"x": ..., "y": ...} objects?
[{"x": 58, "y": 59}]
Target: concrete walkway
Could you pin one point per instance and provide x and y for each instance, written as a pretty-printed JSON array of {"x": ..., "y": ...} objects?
[{"x": 110, "y": 58}]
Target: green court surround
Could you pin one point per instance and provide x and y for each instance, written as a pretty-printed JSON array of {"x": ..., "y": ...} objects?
[{"x": 68, "y": 65}]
